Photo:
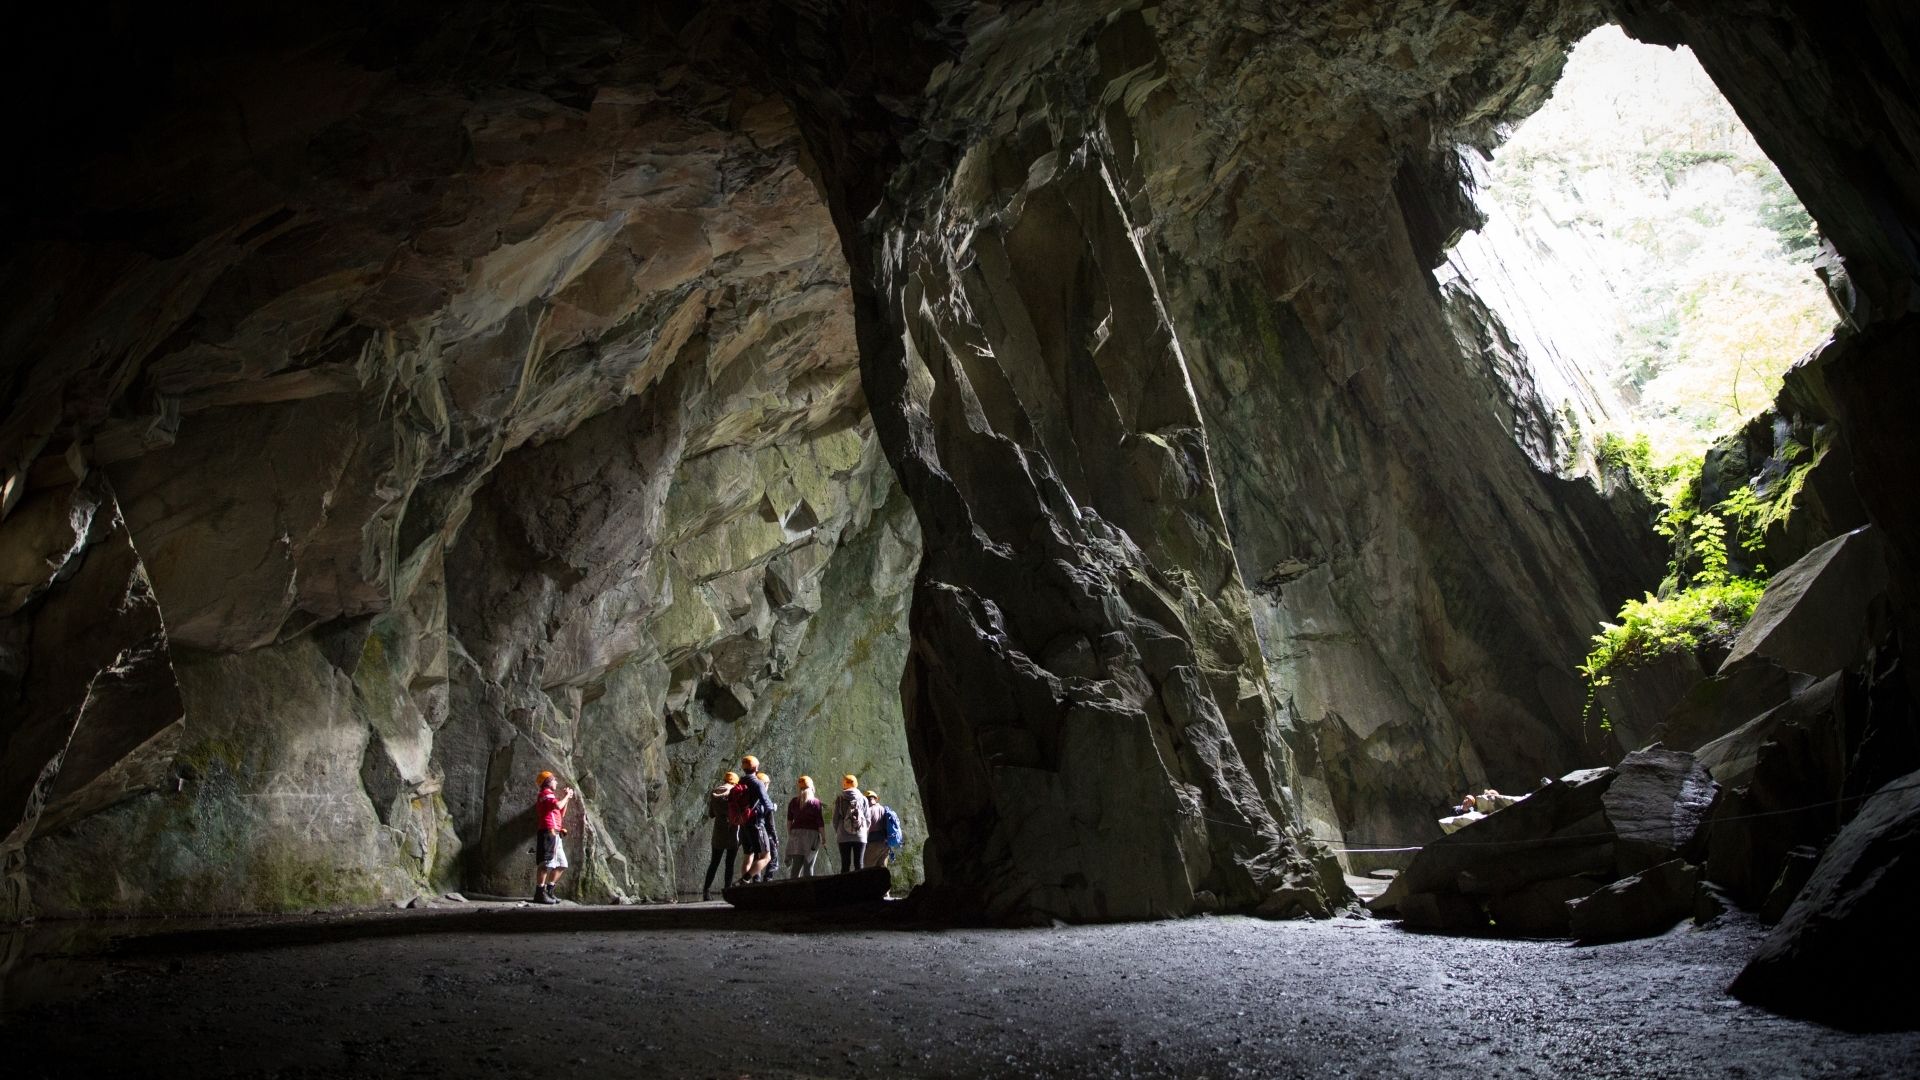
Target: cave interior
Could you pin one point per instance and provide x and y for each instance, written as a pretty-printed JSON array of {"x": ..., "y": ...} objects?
[{"x": 1047, "y": 412}]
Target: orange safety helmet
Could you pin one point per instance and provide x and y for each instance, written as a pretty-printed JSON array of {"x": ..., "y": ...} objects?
[
  {"x": 732, "y": 777},
  {"x": 541, "y": 780},
  {"x": 849, "y": 781}
]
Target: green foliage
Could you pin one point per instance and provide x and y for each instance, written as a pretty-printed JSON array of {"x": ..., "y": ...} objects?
[
  {"x": 1753, "y": 510},
  {"x": 1656, "y": 626},
  {"x": 1634, "y": 459}
]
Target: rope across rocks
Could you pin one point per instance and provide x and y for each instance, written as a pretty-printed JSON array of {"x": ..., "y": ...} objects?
[{"x": 1364, "y": 848}]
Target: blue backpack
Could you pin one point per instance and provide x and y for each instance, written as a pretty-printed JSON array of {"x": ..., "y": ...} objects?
[{"x": 892, "y": 822}]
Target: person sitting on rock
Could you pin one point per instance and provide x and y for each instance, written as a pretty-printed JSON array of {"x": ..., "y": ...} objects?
[
  {"x": 751, "y": 809},
  {"x": 850, "y": 823},
  {"x": 1491, "y": 800},
  {"x": 726, "y": 835},
  {"x": 549, "y": 852},
  {"x": 883, "y": 836},
  {"x": 805, "y": 824},
  {"x": 1463, "y": 815}
]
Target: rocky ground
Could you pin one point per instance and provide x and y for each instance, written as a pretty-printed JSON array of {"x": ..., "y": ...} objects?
[{"x": 700, "y": 990}]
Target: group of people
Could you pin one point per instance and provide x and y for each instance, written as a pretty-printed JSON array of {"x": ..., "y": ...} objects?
[{"x": 743, "y": 816}]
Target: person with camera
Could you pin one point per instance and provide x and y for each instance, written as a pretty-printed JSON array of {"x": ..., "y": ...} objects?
[{"x": 549, "y": 852}]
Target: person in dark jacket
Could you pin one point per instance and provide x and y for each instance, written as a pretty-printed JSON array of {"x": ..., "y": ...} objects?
[
  {"x": 726, "y": 837},
  {"x": 773, "y": 832},
  {"x": 756, "y": 819}
]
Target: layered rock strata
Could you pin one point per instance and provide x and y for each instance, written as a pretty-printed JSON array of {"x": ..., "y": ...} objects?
[
  {"x": 1128, "y": 327},
  {"x": 476, "y": 398}
]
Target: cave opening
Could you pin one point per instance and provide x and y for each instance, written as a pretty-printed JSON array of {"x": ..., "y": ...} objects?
[{"x": 1645, "y": 254}]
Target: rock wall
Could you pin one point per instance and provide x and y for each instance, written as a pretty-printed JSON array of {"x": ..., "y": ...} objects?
[
  {"x": 443, "y": 396},
  {"x": 1158, "y": 278},
  {"x": 1421, "y": 624},
  {"x": 398, "y": 407}
]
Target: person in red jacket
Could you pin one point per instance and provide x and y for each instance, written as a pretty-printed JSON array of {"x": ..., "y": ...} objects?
[{"x": 549, "y": 852}]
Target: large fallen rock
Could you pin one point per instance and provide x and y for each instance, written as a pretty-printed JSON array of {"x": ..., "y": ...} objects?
[
  {"x": 1658, "y": 806},
  {"x": 1732, "y": 757},
  {"x": 1816, "y": 616},
  {"x": 1842, "y": 952},
  {"x": 1731, "y": 698},
  {"x": 1789, "y": 799},
  {"x": 1515, "y": 872},
  {"x": 1645, "y": 904},
  {"x": 1556, "y": 832},
  {"x": 1795, "y": 774},
  {"x": 1637, "y": 699},
  {"x": 1540, "y": 909}
]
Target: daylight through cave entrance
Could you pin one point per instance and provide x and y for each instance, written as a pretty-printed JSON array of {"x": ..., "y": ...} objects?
[{"x": 1645, "y": 254}]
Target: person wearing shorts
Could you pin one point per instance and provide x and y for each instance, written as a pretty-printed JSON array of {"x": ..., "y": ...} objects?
[
  {"x": 549, "y": 847},
  {"x": 755, "y": 849}
]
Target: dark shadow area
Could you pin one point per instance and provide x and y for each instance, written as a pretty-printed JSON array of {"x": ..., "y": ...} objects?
[{"x": 894, "y": 915}]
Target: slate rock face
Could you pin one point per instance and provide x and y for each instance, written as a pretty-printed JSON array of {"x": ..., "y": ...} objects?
[
  {"x": 1658, "y": 806},
  {"x": 102, "y": 714},
  {"x": 1831, "y": 955},
  {"x": 1817, "y": 615},
  {"x": 486, "y": 400}
]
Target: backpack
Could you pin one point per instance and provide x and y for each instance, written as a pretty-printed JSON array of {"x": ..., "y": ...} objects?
[
  {"x": 858, "y": 814},
  {"x": 894, "y": 837},
  {"x": 740, "y": 808}
]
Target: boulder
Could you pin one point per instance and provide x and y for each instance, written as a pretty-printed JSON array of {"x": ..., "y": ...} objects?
[
  {"x": 1540, "y": 909},
  {"x": 1710, "y": 902},
  {"x": 1644, "y": 820},
  {"x": 1515, "y": 847},
  {"x": 1446, "y": 912},
  {"x": 1795, "y": 871},
  {"x": 1718, "y": 705},
  {"x": 1817, "y": 615},
  {"x": 1842, "y": 951},
  {"x": 1658, "y": 806},
  {"x": 1636, "y": 699},
  {"x": 1732, "y": 757},
  {"x": 1789, "y": 800},
  {"x": 1639, "y": 906}
]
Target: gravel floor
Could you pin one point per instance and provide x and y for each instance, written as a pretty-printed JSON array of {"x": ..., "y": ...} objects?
[{"x": 690, "y": 992}]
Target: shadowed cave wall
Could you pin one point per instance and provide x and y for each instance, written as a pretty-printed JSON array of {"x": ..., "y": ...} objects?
[{"x": 399, "y": 406}]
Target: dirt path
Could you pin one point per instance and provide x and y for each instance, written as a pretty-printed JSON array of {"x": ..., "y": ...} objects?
[{"x": 598, "y": 992}]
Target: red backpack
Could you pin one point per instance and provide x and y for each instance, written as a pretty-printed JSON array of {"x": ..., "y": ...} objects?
[{"x": 740, "y": 807}]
